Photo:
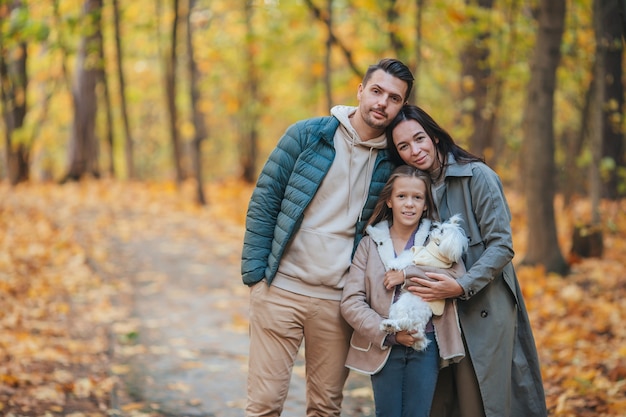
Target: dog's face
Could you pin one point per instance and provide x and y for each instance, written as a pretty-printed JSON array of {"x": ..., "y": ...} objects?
[{"x": 449, "y": 238}]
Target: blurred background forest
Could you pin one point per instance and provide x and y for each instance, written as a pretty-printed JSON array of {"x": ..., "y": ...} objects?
[
  {"x": 190, "y": 89},
  {"x": 124, "y": 119}
]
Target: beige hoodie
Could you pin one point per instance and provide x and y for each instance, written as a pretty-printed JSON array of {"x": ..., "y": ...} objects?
[{"x": 317, "y": 259}]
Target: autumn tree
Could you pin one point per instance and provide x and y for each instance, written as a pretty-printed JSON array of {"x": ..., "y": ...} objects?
[
  {"x": 171, "y": 89},
  {"x": 573, "y": 143},
  {"x": 476, "y": 78},
  {"x": 610, "y": 49},
  {"x": 83, "y": 147},
  {"x": 400, "y": 47},
  {"x": 13, "y": 89},
  {"x": 250, "y": 132},
  {"x": 106, "y": 97},
  {"x": 339, "y": 43},
  {"x": 328, "y": 55},
  {"x": 397, "y": 44},
  {"x": 538, "y": 148},
  {"x": 414, "y": 97},
  {"x": 128, "y": 139},
  {"x": 200, "y": 130}
]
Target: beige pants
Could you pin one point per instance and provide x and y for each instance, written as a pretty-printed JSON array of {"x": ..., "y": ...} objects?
[{"x": 279, "y": 321}]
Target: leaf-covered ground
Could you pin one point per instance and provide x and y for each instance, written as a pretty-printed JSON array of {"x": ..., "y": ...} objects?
[{"x": 65, "y": 302}]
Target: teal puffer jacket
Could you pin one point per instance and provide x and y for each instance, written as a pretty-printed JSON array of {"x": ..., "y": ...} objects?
[{"x": 286, "y": 186}]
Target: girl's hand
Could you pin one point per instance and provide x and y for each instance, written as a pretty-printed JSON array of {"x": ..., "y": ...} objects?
[
  {"x": 393, "y": 278},
  {"x": 405, "y": 338},
  {"x": 439, "y": 286}
]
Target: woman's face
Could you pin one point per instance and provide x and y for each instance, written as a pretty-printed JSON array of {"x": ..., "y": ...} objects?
[{"x": 414, "y": 145}]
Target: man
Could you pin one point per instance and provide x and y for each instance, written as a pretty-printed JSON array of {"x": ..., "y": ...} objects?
[{"x": 306, "y": 216}]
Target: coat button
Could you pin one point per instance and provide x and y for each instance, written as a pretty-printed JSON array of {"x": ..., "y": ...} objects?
[
  {"x": 484, "y": 314},
  {"x": 471, "y": 293}
]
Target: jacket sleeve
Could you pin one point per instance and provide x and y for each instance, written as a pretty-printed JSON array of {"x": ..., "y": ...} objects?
[
  {"x": 265, "y": 205},
  {"x": 456, "y": 271},
  {"x": 493, "y": 217},
  {"x": 356, "y": 298}
]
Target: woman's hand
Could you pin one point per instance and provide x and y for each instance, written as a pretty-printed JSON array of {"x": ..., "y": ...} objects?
[
  {"x": 438, "y": 287},
  {"x": 405, "y": 338},
  {"x": 393, "y": 278}
]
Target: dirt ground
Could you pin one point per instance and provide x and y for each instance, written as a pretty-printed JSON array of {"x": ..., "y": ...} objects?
[
  {"x": 192, "y": 314},
  {"x": 126, "y": 300}
]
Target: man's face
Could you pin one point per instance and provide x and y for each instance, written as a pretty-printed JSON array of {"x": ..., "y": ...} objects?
[{"x": 381, "y": 99}]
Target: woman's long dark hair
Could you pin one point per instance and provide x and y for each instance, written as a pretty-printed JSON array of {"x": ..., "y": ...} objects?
[
  {"x": 444, "y": 146},
  {"x": 383, "y": 212}
]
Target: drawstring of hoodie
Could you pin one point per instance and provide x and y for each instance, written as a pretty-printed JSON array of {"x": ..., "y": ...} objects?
[
  {"x": 350, "y": 173},
  {"x": 367, "y": 175}
]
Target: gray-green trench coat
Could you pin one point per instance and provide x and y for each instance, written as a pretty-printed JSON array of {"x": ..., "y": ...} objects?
[{"x": 492, "y": 312}]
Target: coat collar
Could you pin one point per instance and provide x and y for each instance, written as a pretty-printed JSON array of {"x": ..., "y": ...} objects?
[
  {"x": 454, "y": 169},
  {"x": 380, "y": 235}
]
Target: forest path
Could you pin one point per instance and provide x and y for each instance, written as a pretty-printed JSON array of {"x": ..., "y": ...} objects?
[{"x": 187, "y": 354}]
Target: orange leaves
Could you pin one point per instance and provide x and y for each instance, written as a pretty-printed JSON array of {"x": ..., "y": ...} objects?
[
  {"x": 578, "y": 323},
  {"x": 60, "y": 285},
  {"x": 578, "y": 320},
  {"x": 59, "y": 281},
  {"x": 47, "y": 289}
]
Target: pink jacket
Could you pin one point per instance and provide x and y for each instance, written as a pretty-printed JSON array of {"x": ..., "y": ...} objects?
[{"x": 366, "y": 302}]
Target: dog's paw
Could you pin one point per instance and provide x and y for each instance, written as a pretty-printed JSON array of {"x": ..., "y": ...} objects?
[
  {"x": 388, "y": 326},
  {"x": 420, "y": 344}
]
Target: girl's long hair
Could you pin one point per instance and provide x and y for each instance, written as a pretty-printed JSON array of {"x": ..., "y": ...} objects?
[
  {"x": 444, "y": 146},
  {"x": 383, "y": 212}
]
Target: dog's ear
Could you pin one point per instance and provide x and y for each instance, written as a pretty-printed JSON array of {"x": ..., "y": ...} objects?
[{"x": 456, "y": 219}]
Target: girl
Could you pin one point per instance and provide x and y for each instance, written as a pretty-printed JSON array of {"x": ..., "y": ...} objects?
[
  {"x": 500, "y": 376},
  {"x": 403, "y": 379}
]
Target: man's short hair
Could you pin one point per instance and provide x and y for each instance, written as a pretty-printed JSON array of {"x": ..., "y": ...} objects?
[{"x": 393, "y": 67}]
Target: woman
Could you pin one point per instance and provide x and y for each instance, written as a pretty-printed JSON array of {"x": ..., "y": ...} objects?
[{"x": 500, "y": 375}]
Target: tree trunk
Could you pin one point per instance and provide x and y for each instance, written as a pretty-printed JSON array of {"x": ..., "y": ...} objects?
[
  {"x": 107, "y": 106},
  {"x": 612, "y": 147},
  {"x": 574, "y": 141},
  {"x": 414, "y": 97},
  {"x": 597, "y": 114},
  {"x": 622, "y": 17},
  {"x": 397, "y": 46},
  {"x": 171, "y": 88},
  {"x": 497, "y": 87},
  {"x": 128, "y": 140},
  {"x": 13, "y": 86},
  {"x": 198, "y": 116},
  {"x": 14, "y": 80},
  {"x": 476, "y": 77},
  {"x": 347, "y": 53},
  {"x": 249, "y": 140},
  {"x": 83, "y": 150},
  {"x": 538, "y": 145},
  {"x": 328, "y": 81}
]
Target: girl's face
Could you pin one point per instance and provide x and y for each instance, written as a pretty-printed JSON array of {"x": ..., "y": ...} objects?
[
  {"x": 414, "y": 145},
  {"x": 407, "y": 201}
]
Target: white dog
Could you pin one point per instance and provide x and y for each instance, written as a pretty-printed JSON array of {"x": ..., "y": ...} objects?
[{"x": 445, "y": 247}]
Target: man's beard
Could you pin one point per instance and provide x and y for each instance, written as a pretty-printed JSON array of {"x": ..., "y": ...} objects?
[{"x": 375, "y": 123}]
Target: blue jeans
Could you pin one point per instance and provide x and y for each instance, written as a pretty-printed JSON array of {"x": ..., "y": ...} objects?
[{"x": 406, "y": 384}]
